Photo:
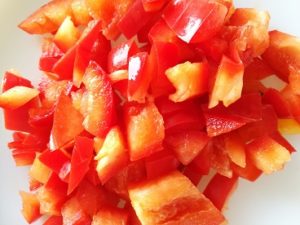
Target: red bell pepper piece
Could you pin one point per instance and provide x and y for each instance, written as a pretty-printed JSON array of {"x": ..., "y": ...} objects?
[
  {"x": 134, "y": 19},
  {"x": 220, "y": 120},
  {"x": 100, "y": 107},
  {"x": 65, "y": 65},
  {"x": 267, "y": 154},
  {"x": 219, "y": 158},
  {"x": 110, "y": 215},
  {"x": 109, "y": 13},
  {"x": 145, "y": 130},
  {"x": 133, "y": 173},
  {"x": 192, "y": 174},
  {"x": 195, "y": 21},
  {"x": 282, "y": 141},
  {"x": 281, "y": 106},
  {"x": 228, "y": 83},
  {"x": 52, "y": 196},
  {"x": 93, "y": 198},
  {"x": 50, "y": 90},
  {"x": 249, "y": 172},
  {"x": 160, "y": 163},
  {"x": 84, "y": 54},
  {"x": 214, "y": 48},
  {"x": 57, "y": 161},
  {"x": 167, "y": 107},
  {"x": 187, "y": 145},
  {"x": 17, "y": 119},
  {"x": 31, "y": 206},
  {"x": 139, "y": 76},
  {"x": 165, "y": 56},
  {"x": 50, "y": 55},
  {"x": 161, "y": 32},
  {"x": 293, "y": 102},
  {"x": 267, "y": 125},
  {"x": 172, "y": 193},
  {"x": 184, "y": 120},
  {"x": 41, "y": 119},
  {"x": 194, "y": 83},
  {"x": 65, "y": 114},
  {"x": 54, "y": 220},
  {"x": 112, "y": 156},
  {"x": 153, "y": 5},
  {"x": 201, "y": 163},
  {"x": 92, "y": 175},
  {"x": 219, "y": 189},
  {"x": 100, "y": 50},
  {"x": 73, "y": 213},
  {"x": 283, "y": 54},
  {"x": 118, "y": 57},
  {"x": 81, "y": 157}
]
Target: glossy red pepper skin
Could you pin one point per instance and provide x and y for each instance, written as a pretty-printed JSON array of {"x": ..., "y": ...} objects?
[
  {"x": 80, "y": 161},
  {"x": 195, "y": 21}
]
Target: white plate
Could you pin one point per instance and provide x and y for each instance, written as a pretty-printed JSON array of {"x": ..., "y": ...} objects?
[{"x": 272, "y": 200}]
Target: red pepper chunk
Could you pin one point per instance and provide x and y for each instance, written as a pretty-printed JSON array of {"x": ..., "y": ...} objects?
[
  {"x": 54, "y": 220},
  {"x": 228, "y": 84},
  {"x": 111, "y": 216},
  {"x": 267, "y": 154},
  {"x": 57, "y": 161},
  {"x": 118, "y": 57},
  {"x": 172, "y": 198},
  {"x": 31, "y": 206},
  {"x": 153, "y": 5},
  {"x": 80, "y": 161},
  {"x": 187, "y": 145},
  {"x": 145, "y": 130},
  {"x": 219, "y": 189},
  {"x": 195, "y": 21},
  {"x": 112, "y": 156},
  {"x": 139, "y": 76},
  {"x": 67, "y": 123},
  {"x": 17, "y": 119},
  {"x": 134, "y": 19},
  {"x": 160, "y": 163},
  {"x": 100, "y": 103},
  {"x": 189, "y": 79},
  {"x": 52, "y": 196}
]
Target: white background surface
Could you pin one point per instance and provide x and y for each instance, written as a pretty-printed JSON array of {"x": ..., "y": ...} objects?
[{"x": 272, "y": 200}]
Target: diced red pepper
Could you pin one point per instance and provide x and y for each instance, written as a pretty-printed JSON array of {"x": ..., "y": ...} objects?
[
  {"x": 153, "y": 5},
  {"x": 160, "y": 163},
  {"x": 17, "y": 119},
  {"x": 187, "y": 145},
  {"x": 31, "y": 207},
  {"x": 72, "y": 120},
  {"x": 52, "y": 196},
  {"x": 81, "y": 157},
  {"x": 145, "y": 130},
  {"x": 118, "y": 57},
  {"x": 65, "y": 65},
  {"x": 50, "y": 55},
  {"x": 111, "y": 216},
  {"x": 228, "y": 84},
  {"x": 176, "y": 192},
  {"x": 134, "y": 19},
  {"x": 139, "y": 76},
  {"x": 100, "y": 107},
  {"x": 73, "y": 213},
  {"x": 54, "y": 220},
  {"x": 219, "y": 189},
  {"x": 57, "y": 161},
  {"x": 195, "y": 21},
  {"x": 112, "y": 156}
]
